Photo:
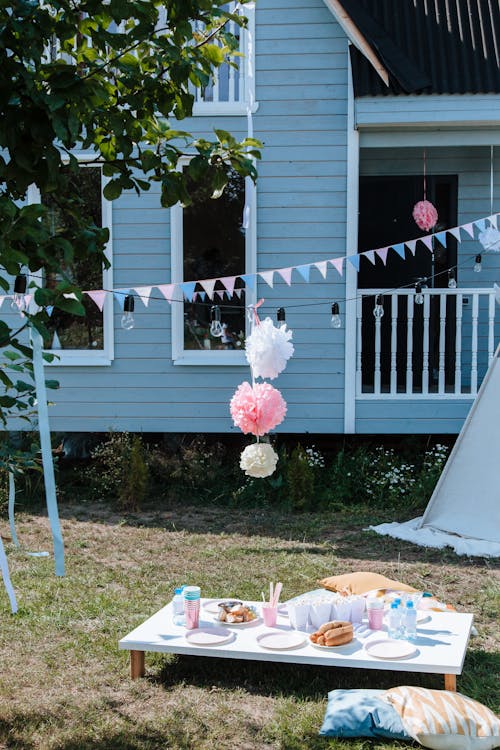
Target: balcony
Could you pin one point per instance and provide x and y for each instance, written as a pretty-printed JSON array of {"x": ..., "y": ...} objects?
[{"x": 439, "y": 348}]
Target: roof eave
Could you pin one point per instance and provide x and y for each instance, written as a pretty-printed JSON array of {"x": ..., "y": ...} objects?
[{"x": 356, "y": 37}]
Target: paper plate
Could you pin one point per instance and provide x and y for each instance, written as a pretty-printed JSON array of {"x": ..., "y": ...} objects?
[
  {"x": 333, "y": 648},
  {"x": 211, "y": 605},
  {"x": 277, "y": 640},
  {"x": 390, "y": 648},
  {"x": 208, "y": 636},
  {"x": 237, "y": 624}
]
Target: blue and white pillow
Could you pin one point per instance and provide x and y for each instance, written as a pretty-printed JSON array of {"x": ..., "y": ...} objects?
[{"x": 361, "y": 713}]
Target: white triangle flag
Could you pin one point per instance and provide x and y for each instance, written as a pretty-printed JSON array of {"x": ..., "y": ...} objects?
[
  {"x": 268, "y": 277},
  {"x": 208, "y": 285},
  {"x": 412, "y": 246},
  {"x": 1, "y": 301},
  {"x": 455, "y": 231},
  {"x": 167, "y": 290},
  {"x": 369, "y": 255},
  {"x": 144, "y": 293},
  {"x": 322, "y": 266},
  {"x": 97, "y": 296}
]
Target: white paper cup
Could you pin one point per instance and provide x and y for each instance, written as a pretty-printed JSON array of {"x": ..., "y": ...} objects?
[
  {"x": 320, "y": 613},
  {"x": 298, "y": 615},
  {"x": 343, "y": 610},
  {"x": 357, "y": 609}
]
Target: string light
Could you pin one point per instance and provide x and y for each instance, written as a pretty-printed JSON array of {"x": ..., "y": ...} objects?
[
  {"x": 215, "y": 324},
  {"x": 478, "y": 265},
  {"x": 378, "y": 310},
  {"x": 18, "y": 298},
  {"x": 452, "y": 282},
  {"x": 280, "y": 315},
  {"x": 336, "y": 321},
  {"x": 419, "y": 297},
  {"x": 128, "y": 321}
]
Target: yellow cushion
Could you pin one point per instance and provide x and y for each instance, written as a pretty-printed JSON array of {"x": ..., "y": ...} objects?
[
  {"x": 361, "y": 583},
  {"x": 443, "y": 720}
]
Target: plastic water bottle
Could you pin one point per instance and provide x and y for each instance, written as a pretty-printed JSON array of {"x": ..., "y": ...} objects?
[
  {"x": 395, "y": 620},
  {"x": 410, "y": 622},
  {"x": 178, "y": 606}
]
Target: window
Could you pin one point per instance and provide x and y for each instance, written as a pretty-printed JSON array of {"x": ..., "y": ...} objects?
[
  {"x": 208, "y": 242},
  {"x": 83, "y": 340}
]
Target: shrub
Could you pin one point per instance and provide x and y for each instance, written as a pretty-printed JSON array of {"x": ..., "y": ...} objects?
[
  {"x": 118, "y": 470},
  {"x": 300, "y": 480}
]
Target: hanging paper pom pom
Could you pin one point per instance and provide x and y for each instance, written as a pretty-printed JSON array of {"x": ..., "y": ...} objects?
[
  {"x": 258, "y": 460},
  {"x": 425, "y": 215},
  {"x": 490, "y": 239},
  {"x": 257, "y": 410},
  {"x": 268, "y": 349}
]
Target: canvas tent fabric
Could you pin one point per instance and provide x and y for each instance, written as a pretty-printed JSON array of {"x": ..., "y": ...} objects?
[{"x": 464, "y": 510}]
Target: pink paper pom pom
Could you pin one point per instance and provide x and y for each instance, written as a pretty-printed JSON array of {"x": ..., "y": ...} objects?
[
  {"x": 425, "y": 215},
  {"x": 257, "y": 410}
]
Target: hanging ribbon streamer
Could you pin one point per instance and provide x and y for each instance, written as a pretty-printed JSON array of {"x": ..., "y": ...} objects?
[
  {"x": 4, "y": 567},
  {"x": 48, "y": 464},
  {"x": 247, "y": 210},
  {"x": 12, "y": 500}
]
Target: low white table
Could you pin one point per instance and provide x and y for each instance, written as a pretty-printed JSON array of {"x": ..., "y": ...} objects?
[{"x": 441, "y": 645}]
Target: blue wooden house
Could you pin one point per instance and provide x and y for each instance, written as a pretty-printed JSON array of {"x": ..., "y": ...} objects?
[{"x": 354, "y": 100}]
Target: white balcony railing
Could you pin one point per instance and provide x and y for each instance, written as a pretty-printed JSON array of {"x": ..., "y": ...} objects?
[{"x": 440, "y": 348}]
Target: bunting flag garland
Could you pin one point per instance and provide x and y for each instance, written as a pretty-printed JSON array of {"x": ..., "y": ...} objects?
[{"x": 322, "y": 266}]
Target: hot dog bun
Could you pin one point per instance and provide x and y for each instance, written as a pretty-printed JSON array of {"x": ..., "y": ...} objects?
[{"x": 333, "y": 633}]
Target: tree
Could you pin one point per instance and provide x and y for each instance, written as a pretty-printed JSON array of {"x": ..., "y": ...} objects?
[{"x": 107, "y": 77}]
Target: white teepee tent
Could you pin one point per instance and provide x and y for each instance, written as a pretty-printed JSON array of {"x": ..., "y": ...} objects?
[{"x": 464, "y": 510}]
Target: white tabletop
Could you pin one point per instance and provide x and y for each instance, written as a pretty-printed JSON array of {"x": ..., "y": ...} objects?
[{"x": 440, "y": 644}]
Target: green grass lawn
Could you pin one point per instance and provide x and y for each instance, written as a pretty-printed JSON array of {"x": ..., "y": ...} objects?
[{"x": 64, "y": 684}]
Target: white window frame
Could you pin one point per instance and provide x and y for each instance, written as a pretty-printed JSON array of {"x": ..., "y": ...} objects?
[
  {"x": 246, "y": 101},
  {"x": 181, "y": 356},
  {"x": 86, "y": 357}
]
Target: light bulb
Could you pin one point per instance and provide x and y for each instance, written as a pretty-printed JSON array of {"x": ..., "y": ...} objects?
[
  {"x": 215, "y": 324},
  {"x": 19, "y": 297},
  {"x": 419, "y": 297},
  {"x": 452, "y": 282},
  {"x": 336, "y": 321},
  {"x": 378, "y": 310},
  {"x": 478, "y": 266},
  {"x": 128, "y": 321}
]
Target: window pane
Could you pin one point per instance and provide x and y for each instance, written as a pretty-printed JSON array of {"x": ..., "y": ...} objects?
[
  {"x": 72, "y": 331},
  {"x": 214, "y": 246}
]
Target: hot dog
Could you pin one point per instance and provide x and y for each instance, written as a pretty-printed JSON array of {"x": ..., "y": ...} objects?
[{"x": 333, "y": 633}]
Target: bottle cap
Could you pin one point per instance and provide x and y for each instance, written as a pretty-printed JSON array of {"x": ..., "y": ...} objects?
[
  {"x": 179, "y": 590},
  {"x": 409, "y": 604},
  {"x": 394, "y": 605},
  {"x": 426, "y": 594},
  {"x": 397, "y": 601}
]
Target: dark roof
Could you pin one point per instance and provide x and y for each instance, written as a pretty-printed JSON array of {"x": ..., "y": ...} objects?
[{"x": 428, "y": 46}]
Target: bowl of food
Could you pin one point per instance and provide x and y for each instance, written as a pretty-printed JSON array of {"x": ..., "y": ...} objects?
[{"x": 236, "y": 613}]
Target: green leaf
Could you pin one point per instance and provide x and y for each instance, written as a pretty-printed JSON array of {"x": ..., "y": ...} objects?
[
  {"x": 70, "y": 306},
  {"x": 112, "y": 190}
]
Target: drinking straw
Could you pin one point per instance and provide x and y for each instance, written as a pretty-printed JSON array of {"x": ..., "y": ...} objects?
[
  {"x": 271, "y": 594},
  {"x": 263, "y": 597},
  {"x": 277, "y": 593}
]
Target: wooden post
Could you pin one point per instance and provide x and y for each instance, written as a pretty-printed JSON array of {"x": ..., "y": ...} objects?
[
  {"x": 137, "y": 664},
  {"x": 450, "y": 682}
]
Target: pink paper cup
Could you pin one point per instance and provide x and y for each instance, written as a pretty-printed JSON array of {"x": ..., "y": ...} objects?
[
  {"x": 375, "y": 611},
  {"x": 270, "y": 616}
]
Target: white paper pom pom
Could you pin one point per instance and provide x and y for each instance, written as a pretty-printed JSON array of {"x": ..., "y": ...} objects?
[
  {"x": 490, "y": 239},
  {"x": 268, "y": 349},
  {"x": 258, "y": 460}
]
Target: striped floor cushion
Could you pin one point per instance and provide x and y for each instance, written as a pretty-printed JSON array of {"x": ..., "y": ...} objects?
[{"x": 443, "y": 720}]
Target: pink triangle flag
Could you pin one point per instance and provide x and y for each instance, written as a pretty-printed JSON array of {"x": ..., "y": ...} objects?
[
  {"x": 208, "y": 285},
  {"x": 268, "y": 277},
  {"x": 29, "y": 297},
  {"x": 167, "y": 290},
  {"x": 455, "y": 231},
  {"x": 469, "y": 228},
  {"x": 427, "y": 241},
  {"x": 228, "y": 282},
  {"x": 412, "y": 246},
  {"x": 143, "y": 292},
  {"x": 286, "y": 274},
  {"x": 369, "y": 255},
  {"x": 382, "y": 254},
  {"x": 97, "y": 296},
  {"x": 322, "y": 266},
  {"x": 337, "y": 263}
]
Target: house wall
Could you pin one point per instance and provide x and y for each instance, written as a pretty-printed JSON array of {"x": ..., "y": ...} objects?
[
  {"x": 301, "y": 90},
  {"x": 472, "y": 166}
]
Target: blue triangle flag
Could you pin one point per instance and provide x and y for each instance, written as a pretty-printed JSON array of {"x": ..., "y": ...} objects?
[
  {"x": 399, "y": 249},
  {"x": 481, "y": 224},
  {"x": 441, "y": 237},
  {"x": 188, "y": 289},
  {"x": 354, "y": 261},
  {"x": 119, "y": 295},
  {"x": 49, "y": 310},
  {"x": 304, "y": 271},
  {"x": 249, "y": 280}
]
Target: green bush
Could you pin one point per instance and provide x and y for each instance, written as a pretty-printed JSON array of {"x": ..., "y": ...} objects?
[
  {"x": 118, "y": 470},
  {"x": 300, "y": 480}
]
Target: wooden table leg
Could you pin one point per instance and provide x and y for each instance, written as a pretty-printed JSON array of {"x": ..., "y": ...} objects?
[
  {"x": 137, "y": 664},
  {"x": 450, "y": 682}
]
